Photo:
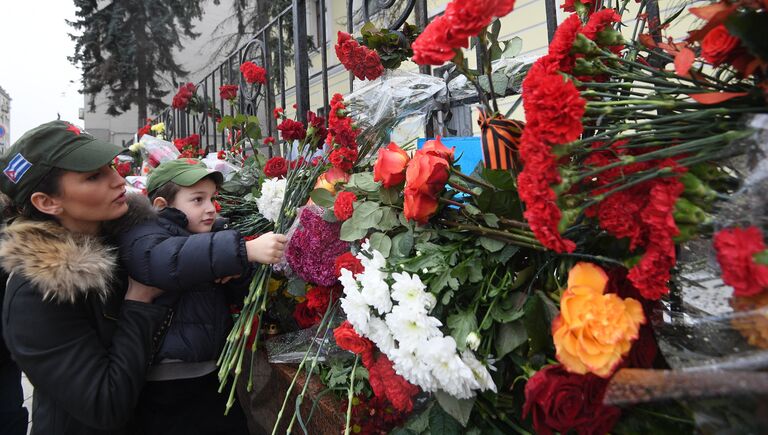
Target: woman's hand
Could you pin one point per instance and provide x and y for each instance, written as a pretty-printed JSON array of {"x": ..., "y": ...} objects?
[
  {"x": 140, "y": 292},
  {"x": 267, "y": 248}
]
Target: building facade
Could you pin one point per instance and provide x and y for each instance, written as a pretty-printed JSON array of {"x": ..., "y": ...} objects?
[{"x": 5, "y": 119}]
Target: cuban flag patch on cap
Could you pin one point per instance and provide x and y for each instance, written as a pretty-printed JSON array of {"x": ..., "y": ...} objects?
[{"x": 16, "y": 168}]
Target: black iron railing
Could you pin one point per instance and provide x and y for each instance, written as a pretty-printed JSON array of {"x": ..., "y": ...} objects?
[{"x": 282, "y": 44}]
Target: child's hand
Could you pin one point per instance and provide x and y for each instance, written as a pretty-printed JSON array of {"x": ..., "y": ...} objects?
[{"x": 267, "y": 248}]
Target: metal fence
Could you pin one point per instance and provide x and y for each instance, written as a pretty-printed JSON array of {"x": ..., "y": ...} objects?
[{"x": 283, "y": 45}]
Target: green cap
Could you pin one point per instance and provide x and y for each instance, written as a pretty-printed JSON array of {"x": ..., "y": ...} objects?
[
  {"x": 55, "y": 144},
  {"x": 184, "y": 172}
]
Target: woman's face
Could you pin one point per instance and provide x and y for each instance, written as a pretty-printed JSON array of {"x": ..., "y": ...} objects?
[{"x": 86, "y": 199}]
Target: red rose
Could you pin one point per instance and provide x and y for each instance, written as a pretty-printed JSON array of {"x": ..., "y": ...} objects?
[
  {"x": 560, "y": 401},
  {"x": 436, "y": 148},
  {"x": 292, "y": 130},
  {"x": 144, "y": 130},
  {"x": 319, "y": 297},
  {"x": 228, "y": 92},
  {"x": 343, "y": 205},
  {"x": 183, "y": 95},
  {"x": 343, "y": 158},
  {"x": 122, "y": 168},
  {"x": 719, "y": 46},
  {"x": 305, "y": 317},
  {"x": 221, "y": 155},
  {"x": 348, "y": 261},
  {"x": 390, "y": 165},
  {"x": 644, "y": 349},
  {"x": 426, "y": 173},
  {"x": 253, "y": 73},
  {"x": 276, "y": 167},
  {"x": 347, "y": 339},
  {"x": 419, "y": 207},
  {"x": 735, "y": 249},
  {"x": 436, "y": 44}
]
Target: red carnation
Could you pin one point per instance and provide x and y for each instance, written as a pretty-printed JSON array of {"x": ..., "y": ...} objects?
[
  {"x": 276, "y": 167},
  {"x": 253, "y": 73},
  {"x": 736, "y": 249},
  {"x": 348, "y": 339},
  {"x": 600, "y": 21},
  {"x": 554, "y": 108},
  {"x": 562, "y": 43},
  {"x": 560, "y": 401},
  {"x": 278, "y": 112},
  {"x": 348, "y": 261},
  {"x": 269, "y": 140},
  {"x": 469, "y": 18},
  {"x": 144, "y": 130},
  {"x": 319, "y": 297},
  {"x": 343, "y": 205},
  {"x": 386, "y": 383},
  {"x": 436, "y": 44},
  {"x": 292, "y": 130},
  {"x": 343, "y": 158}
]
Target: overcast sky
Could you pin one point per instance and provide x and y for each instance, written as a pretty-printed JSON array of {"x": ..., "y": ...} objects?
[{"x": 34, "y": 68}]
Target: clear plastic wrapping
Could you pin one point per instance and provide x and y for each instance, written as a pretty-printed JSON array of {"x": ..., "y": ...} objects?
[
  {"x": 394, "y": 99},
  {"x": 292, "y": 347}
]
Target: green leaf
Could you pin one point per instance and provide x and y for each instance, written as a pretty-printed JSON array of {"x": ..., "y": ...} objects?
[
  {"x": 461, "y": 324},
  {"x": 499, "y": 178},
  {"x": 500, "y": 82},
  {"x": 471, "y": 209},
  {"x": 506, "y": 253},
  {"x": 509, "y": 337},
  {"x": 440, "y": 422},
  {"x": 495, "y": 30},
  {"x": 350, "y": 231},
  {"x": 460, "y": 409},
  {"x": 388, "y": 219},
  {"x": 491, "y": 220},
  {"x": 492, "y": 245},
  {"x": 420, "y": 423},
  {"x": 382, "y": 243},
  {"x": 512, "y": 47},
  {"x": 389, "y": 195},
  {"x": 363, "y": 181},
  {"x": 748, "y": 25},
  {"x": 403, "y": 243},
  {"x": 538, "y": 323},
  {"x": 322, "y": 197},
  {"x": 367, "y": 214}
]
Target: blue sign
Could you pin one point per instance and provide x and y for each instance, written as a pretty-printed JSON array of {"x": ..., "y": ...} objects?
[
  {"x": 469, "y": 151},
  {"x": 2, "y": 131}
]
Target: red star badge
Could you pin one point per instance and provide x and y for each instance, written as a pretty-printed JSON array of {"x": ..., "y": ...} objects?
[{"x": 73, "y": 129}]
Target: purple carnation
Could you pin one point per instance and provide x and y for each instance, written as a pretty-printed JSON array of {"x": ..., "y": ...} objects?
[{"x": 313, "y": 248}]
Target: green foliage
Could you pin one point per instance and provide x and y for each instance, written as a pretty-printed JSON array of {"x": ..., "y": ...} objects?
[{"x": 393, "y": 46}]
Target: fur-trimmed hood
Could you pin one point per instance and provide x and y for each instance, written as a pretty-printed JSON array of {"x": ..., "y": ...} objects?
[{"x": 61, "y": 264}]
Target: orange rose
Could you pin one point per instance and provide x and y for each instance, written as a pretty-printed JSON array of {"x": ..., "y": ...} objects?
[
  {"x": 390, "y": 165},
  {"x": 436, "y": 148},
  {"x": 418, "y": 206},
  {"x": 594, "y": 330},
  {"x": 426, "y": 173},
  {"x": 330, "y": 178}
]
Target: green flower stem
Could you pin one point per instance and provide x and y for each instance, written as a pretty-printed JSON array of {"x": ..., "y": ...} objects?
[
  {"x": 514, "y": 223},
  {"x": 462, "y": 189},
  {"x": 657, "y": 72},
  {"x": 350, "y": 396},
  {"x": 473, "y": 180},
  {"x": 510, "y": 238},
  {"x": 488, "y": 69}
]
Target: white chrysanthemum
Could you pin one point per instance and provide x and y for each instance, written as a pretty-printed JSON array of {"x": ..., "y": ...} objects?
[
  {"x": 408, "y": 291},
  {"x": 412, "y": 329},
  {"x": 379, "y": 334},
  {"x": 452, "y": 375},
  {"x": 375, "y": 290},
  {"x": 357, "y": 310},
  {"x": 413, "y": 369},
  {"x": 348, "y": 281},
  {"x": 482, "y": 376},
  {"x": 370, "y": 258},
  {"x": 271, "y": 199}
]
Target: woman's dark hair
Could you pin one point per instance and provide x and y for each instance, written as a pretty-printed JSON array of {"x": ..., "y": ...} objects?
[{"x": 50, "y": 185}]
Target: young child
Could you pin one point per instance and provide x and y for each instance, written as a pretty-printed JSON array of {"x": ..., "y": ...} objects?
[{"x": 179, "y": 250}]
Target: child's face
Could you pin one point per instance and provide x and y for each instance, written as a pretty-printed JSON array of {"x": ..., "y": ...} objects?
[{"x": 196, "y": 201}]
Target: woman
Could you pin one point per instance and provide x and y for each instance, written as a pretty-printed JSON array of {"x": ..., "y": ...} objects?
[{"x": 79, "y": 328}]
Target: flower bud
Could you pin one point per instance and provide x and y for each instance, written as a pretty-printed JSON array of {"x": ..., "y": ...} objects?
[
  {"x": 697, "y": 189},
  {"x": 584, "y": 45},
  {"x": 689, "y": 213},
  {"x": 473, "y": 340},
  {"x": 609, "y": 37}
]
